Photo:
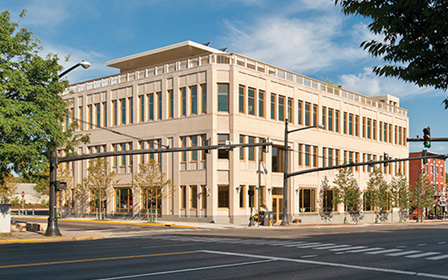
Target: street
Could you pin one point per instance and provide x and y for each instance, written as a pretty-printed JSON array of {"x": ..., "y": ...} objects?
[{"x": 369, "y": 252}]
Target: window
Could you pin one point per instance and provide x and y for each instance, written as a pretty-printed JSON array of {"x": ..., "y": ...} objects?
[
  {"x": 328, "y": 203},
  {"x": 123, "y": 200},
  {"x": 368, "y": 201},
  {"x": 396, "y": 135},
  {"x": 374, "y": 130},
  {"x": 307, "y": 200},
  {"x": 193, "y": 100},
  {"x": 115, "y": 111},
  {"x": 223, "y": 153},
  {"x": 183, "y": 102},
  {"x": 251, "y": 102},
  {"x": 90, "y": 116},
  {"x": 300, "y": 155},
  {"x": 273, "y": 105},
  {"x": 281, "y": 108},
  {"x": 159, "y": 105},
  {"x": 356, "y": 125},
  {"x": 223, "y": 196},
  {"x": 81, "y": 118},
  {"x": 315, "y": 114},
  {"x": 98, "y": 115},
  {"x": 98, "y": 200},
  {"x": 242, "y": 196},
  {"x": 261, "y": 103},
  {"x": 170, "y": 104},
  {"x": 307, "y": 155},
  {"x": 290, "y": 110},
  {"x": 242, "y": 150},
  {"x": 183, "y": 141},
  {"x": 350, "y": 124},
  {"x": 183, "y": 197},
  {"x": 336, "y": 121},
  {"x": 104, "y": 114},
  {"x": 131, "y": 110},
  {"x": 194, "y": 143},
  {"x": 324, "y": 117},
  {"x": 141, "y": 105},
  {"x": 330, "y": 157},
  {"x": 324, "y": 157},
  {"x": 151, "y": 201},
  {"x": 203, "y": 197},
  {"x": 193, "y": 197},
  {"x": 123, "y": 111},
  {"x": 345, "y": 123},
  {"x": 241, "y": 99},
  {"x": 380, "y": 136},
  {"x": 307, "y": 114},
  {"x": 253, "y": 190},
  {"x": 277, "y": 159},
  {"x": 315, "y": 156},
  {"x": 330, "y": 119},
  {"x": 151, "y": 107},
  {"x": 204, "y": 99},
  {"x": 251, "y": 149},
  {"x": 223, "y": 97},
  {"x": 300, "y": 112},
  {"x": 369, "y": 129}
]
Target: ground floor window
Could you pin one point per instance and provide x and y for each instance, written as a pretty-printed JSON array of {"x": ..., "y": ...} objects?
[
  {"x": 307, "y": 200},
  {"x": 368, "y": 201},
  {"x": 193, "y": 197},
  {"x": 204, "y": 197},
  {"x": 242, "y": 196},
  {"x": 151, "y": 201},
  {"x": 183, "y": 197},
  {"x": 98, "y": 200},
  {"x": 328, "y": 203},
  {"x": 123, "y": 200},
  {"x": 223, "y": 196}
]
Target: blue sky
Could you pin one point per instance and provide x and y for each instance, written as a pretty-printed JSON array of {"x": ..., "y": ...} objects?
[{"x": 309, "y": 37}]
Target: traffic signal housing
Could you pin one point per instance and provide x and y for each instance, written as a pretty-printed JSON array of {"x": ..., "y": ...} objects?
[
  {"x": 427, "y": 137},
  {"x": 386, "y": 157}
]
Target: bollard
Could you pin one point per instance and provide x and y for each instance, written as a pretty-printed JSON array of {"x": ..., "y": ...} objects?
[
  {"x": 26, "y": 212},
  {"x": 33, "y": 211}
]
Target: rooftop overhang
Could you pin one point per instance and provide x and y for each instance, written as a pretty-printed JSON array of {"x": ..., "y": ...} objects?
[{"x": 162, "y": 55}]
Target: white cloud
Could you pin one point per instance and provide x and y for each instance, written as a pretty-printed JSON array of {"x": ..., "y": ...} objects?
[{"x": 294, "y": 44}]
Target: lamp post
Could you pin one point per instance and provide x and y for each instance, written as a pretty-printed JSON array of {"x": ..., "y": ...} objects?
[
  {"x": 52, "y": 226},
  {"x": 285, "y": 169}
]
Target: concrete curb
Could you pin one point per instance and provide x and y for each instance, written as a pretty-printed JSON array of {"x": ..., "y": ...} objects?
[{"x": 55, "y": 239}]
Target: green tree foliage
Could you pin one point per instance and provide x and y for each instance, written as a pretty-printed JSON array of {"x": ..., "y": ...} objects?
[
  {"x": 347, "y": 190},
  {"x": 152, "y": 182},
  {"x": 30, "y": 108},
  {"x": 423, "y": 193},
  {"x": 399, "y": 188},
  {"x": 7, "y": 188},
  {"x": 415, "y": 32},
  {"x": 380, "y": 189},
  {"x": 97, "y": 182}
]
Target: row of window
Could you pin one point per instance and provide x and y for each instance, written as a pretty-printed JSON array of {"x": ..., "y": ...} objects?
[{"x": 193, "y": 196}]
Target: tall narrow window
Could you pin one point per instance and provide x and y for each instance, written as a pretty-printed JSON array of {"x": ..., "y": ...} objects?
[
  {"x": 193, "y": 100},
  {"x": 183, "y": 197},
  {"x": 223, "y": 97},
  {"x": 273, "y": 105},
  {"x": 115, "y": 111},
  {"x": 345, "y": 123},
  {"x": 330, "y": 119},
  {"x": 380, "y": 132},
  {"x": 251, "y": 149},
  {"x": 241, "y": 99},
  {"x": 251, "y": 102},
  {"x": 356, "y": 125},
  {"x": 324, "y": 117},
  {"x": 90, "y": 116},
  {"x": 194, "y": 143},
  {"x": 123, "y": 158},
  {"x": 300, "y": 112},
  {"x": 261, "y": 103},
  {"x": 315, "y": 114},
  {"x": 307, "y": 114},
  {"x": 193, "y": 197},
  {"x": 203, "y": 197},
  {"x": 223, "y": 153},
  {"x": 315, "y": 156},
  {"x": 281, "y": 108},
  {"x": 369, "y": 128},
  {"x": 300, "y": 155},
  {"x": 307, "y": 155},
  {"x": 330, "y": 157},
  {"x": 183, "y": 141},
  {"x": 141, "y": 105},
  {"x": 123, "y": 111},
  {"x": 242, "y": 150},
  {"x": 81, "y": 118},
  {"x": 170, "y": 104},
  {"x": 151, "y": 106},
  {"x": 350, "y": 124},
  {"x": 204, "y": 99},
  {"x": 374, "y": 130},
  {"x": 337, "y": 121},
  {"x": 183, "y": 101},
  {"x": 307, "y": 200},
  {"x": 290, "y": 110},
  {"x": 364, "y": 135},
  {"x": 223, "y": 196},
  {"x": 98, "y": 115},
  {"x": 131, "y": 110},
  {"x": 159, "y": 106},
  {"x": 242, "y": 196}
]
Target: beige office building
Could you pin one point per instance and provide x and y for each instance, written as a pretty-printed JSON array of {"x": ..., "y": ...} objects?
[{"x": 183, "y": 94}]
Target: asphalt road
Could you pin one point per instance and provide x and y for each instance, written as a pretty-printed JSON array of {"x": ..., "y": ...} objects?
[{"x": 374, "y": 252}]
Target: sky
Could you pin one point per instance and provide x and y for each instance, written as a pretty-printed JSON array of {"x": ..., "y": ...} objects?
[{"x": 309, "y": 37}]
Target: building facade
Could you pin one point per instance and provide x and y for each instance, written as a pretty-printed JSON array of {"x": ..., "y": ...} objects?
[
  {"x": 184, "y": 94},
  {"x": 435, "y": 170}
]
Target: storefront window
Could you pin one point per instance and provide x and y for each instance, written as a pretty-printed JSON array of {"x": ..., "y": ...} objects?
[{"x": 123, "y": 200}]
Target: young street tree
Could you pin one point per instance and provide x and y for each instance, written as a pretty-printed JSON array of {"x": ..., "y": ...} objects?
[
  {"x": 380, "y": 189},
  {"x": 423, "y": 193},
  {"x": 97, "y": 182},
  {"x": 415, "y": 44},
  {"x": 153, "y": 185},
  {"x": 30, "y": 108},
  {"x": 347, "y": 190},
  {"x": 399, "y": 189}
]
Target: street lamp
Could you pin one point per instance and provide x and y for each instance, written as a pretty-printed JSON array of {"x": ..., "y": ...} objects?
[
  {"x": 285, "y": 171},
  {"x": 52, "y": 226}
]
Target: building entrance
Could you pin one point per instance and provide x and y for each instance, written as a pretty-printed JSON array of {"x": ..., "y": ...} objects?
[{"x": 277, "y": 204}]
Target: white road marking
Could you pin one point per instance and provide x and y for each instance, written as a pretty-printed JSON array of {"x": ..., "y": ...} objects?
[
  {"x": 364, "y": 250},
  {"x": 384, "y": 251},
  {"x": 350, "y": 248},
  {"x": 359, "y": 267},
  {"x": 403, "y": 253},
  {"x": 423, "y": 255},
  {"x": 309, "y": 256},
  {"x": 436, "y": 258},
  {"x": 331, "y": 247},
  {"x": 421, "y": 244}
]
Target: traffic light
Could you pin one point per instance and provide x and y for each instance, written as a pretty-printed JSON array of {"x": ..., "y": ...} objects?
[
  {"x": 427, "y": 137},
  {"x": 425, "y": 154},
  {"x": 386, "y": 157}
]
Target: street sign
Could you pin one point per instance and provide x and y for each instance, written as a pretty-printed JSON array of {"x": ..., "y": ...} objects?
[{"x": 23, "y": 194}]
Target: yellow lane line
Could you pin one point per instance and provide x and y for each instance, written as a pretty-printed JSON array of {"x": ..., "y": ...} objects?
[{"x": 98, "y": 259}]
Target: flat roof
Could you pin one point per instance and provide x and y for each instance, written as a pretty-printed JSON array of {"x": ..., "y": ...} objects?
[{"x": 161, "y": 55}]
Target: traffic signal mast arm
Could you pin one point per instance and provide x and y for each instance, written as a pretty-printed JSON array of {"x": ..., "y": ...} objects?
[
  {"x": 444, "y": 157},
  {"x": 434, "y": 139},
  {"x": 160, "y": 150}
]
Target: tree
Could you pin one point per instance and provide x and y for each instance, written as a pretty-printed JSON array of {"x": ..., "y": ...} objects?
[
  {"x": 7, "y": 188},
  {"x": 97, "y": 182},
  {"x": 380, "y": 189},
  {"x": 30, "y": 108},
  {"x": 399, "y": 188},
  {"x": 347, "y": 190},
  {"x": 423, "y": 193},
  {"x": 415, "y": 44},
  {"x": 151, "y": 181}
]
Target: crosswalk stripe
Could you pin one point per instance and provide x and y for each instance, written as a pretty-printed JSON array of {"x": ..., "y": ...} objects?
[
  {"x": 365, "y": 250},
  {"x": 423, "y": 255},
  {"x": 308, "y": 245},
  {"x": 344, "y": 249},
  {"x": 384, "y": 251},
  {"x": 296, "y": 244},
  {"x": 331, "y": 247},
  {"x": 403, "y": 253},
  {"x": 436, "y": 258},
  {"x": 316, "y": 245}
]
